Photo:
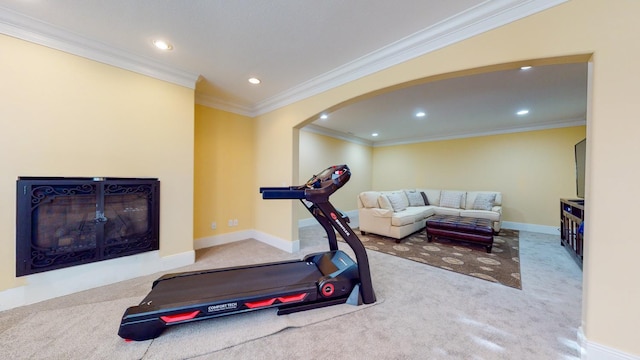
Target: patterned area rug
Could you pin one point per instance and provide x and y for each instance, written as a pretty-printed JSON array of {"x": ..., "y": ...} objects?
[{"x": 502, "y": 265}]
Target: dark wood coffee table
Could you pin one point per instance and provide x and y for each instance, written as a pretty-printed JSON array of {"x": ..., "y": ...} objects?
[{"x": 461, "y": 228}]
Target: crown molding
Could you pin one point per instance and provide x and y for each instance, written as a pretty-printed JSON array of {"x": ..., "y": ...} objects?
[
  {"x": 479, "y": 19},
  {"x": 487, "y": 16},
  {"x": 460, "y": 135},
  {"x": 35, "y": 31},
  {"x": 217, "y": 103},
  {"x": 467, "y": 134},
  {"x": 336, "y": 134}
]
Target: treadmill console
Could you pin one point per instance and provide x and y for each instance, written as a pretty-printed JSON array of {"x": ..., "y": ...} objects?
[{"x": 334, "y": 175}]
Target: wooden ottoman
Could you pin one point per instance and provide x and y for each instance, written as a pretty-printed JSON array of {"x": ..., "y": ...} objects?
[{"x": 461, "y": 228}]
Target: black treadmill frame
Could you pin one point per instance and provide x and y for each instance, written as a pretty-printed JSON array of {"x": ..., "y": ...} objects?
[{"x": 352, "y": 281}]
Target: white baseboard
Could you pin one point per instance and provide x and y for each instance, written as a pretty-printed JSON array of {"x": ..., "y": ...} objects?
[
  {"x": 56, "y": 283},
  {"x": 544, "y": 229},
  {"x": 288, "y": 246},
  {"x": 594, "y": 351},
  {"x": 210, "y": 241}
]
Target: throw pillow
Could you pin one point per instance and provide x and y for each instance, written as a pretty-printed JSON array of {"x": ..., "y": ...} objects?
[
  {"x": 484, "y": 201},
  {"x": 451, "y": 199},
  {"x": 415, "y": 199},
  {"x": 369, "y": 199},
  {"x": 424, "y": 197},
  {"x": 398, "y": 201}
]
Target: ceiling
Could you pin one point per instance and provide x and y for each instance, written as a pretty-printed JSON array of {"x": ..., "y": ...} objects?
[
  {"x": 301, "y": 48},
  {"x": 482, "y": 104}
]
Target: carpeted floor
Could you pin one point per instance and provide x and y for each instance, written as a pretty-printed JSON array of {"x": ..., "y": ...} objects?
[
  {"x": 427, "y": 313},
  {"x": 502, "y": 265},
  {"x": 85, "y": 325}
]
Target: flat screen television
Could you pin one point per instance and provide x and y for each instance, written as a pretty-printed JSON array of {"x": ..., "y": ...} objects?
[{"x": 581, "y": 163}]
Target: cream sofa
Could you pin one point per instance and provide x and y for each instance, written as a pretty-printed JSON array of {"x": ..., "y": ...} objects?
[{"x": 400, "y": 213}]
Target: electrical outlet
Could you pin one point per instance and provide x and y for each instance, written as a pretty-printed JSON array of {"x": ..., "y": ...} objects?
[
  {"x": 235, "y": 222},
  {"x": 230, "y": 223},
  {"x": 214, "y": 225}
]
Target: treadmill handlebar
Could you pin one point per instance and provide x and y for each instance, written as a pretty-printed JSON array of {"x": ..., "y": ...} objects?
[
  {"x": 282, "y": 193},
  {"x": 317, "y": 188}
]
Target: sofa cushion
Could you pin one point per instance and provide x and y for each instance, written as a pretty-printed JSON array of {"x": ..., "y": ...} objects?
[
  {"x": 425, "y": 198},
  {"x": 471, "y": 198},
  {"x": 383, "y": 202},
  {"x": 415, "y": 198},
  {"x": 398, "y": 201},
  {"x": 380, "y": 213},
  {"x": 483, "y": 214},
  {"x": 408, "y": 216},
  {"x": 439, "y": 210},
  {"x": 433, "y": 196},
  {"x": 451, "y": 199},
  {"x": 484, "y": 201},
  {"x": 369, "y": 199},
  {"x": 401, "y": 219}
]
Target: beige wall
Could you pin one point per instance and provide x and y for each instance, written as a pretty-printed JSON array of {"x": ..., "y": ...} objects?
[
  {"x": 318, "y": 152},
  {"x": 62, "y": 115},
  {"x": 224, "y": 172},
  {"x": 605, "y": 29},
  {"x": 533, "y": 170}
]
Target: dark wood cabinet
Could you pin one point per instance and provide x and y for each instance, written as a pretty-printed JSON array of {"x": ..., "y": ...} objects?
[{"x": 571, "y": 229}]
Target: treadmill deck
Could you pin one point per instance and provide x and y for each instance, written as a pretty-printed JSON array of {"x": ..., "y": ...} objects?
[{"x": 226, "y": 284}]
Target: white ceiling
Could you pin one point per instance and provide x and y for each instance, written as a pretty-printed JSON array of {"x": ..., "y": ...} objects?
[
  {"x": 483, "y": 104},
  {"x": 299, "y": 48}
]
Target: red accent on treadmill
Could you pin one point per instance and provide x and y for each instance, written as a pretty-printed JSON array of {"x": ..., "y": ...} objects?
[
  {"x": 334, "y": 216},
  {"x": 179, "y": 317},
  {"x": 292, "y": 298},
  {"x": 261, "y": 303},
  {"x": 328, "y": 289}
]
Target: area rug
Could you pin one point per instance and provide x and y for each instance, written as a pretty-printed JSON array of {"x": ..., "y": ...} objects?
[
  {"x": 89, "y": 331},
  {"x": 502, "y": 265}
]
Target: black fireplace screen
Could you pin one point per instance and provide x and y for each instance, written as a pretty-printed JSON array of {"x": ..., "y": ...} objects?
[{"x": 63, "y": 222}]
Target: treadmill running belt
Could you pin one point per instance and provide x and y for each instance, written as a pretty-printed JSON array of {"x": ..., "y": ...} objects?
[{"x": 234, "y": 283}]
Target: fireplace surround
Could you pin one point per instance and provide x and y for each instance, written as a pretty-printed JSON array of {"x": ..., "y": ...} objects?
[{"x": 68, "y": 221}]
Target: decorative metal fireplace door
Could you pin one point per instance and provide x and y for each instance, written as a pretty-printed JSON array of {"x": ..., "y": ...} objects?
[{"x": 63, "y": 222}]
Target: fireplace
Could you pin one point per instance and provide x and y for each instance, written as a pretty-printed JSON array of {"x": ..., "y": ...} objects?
[{"x": 64, "y": 222}]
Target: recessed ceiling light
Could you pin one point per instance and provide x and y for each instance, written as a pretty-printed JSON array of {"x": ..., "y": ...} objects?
[
  {"x": 525, "y": 67},
  {"x": 254, "y": 81},
  {"x": 324, "y": 116},
  {"x": 421, "y": 114},
  {"x": 162, "y": 45},
  {"x": 374, "y": 134},
  {"x": 522, "y": 112}
]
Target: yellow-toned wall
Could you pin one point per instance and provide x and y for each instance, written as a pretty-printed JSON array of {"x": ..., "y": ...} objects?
[
  {"x": 225, "y": 184},
  {"x": 533, "y": 170},
  {"x": 318, "y": 152},
  {"x": 63, "y": 115},
  {"x": 608, "y": 30}
]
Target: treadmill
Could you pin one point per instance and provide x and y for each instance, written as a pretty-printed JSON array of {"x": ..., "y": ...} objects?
[{"x": 318, "y": 280}]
